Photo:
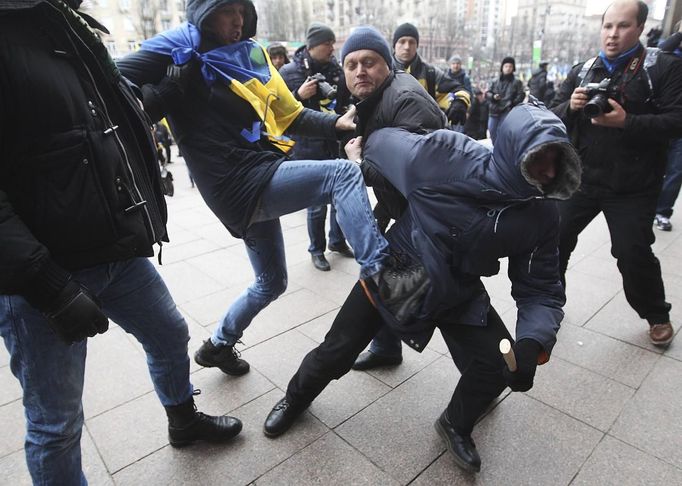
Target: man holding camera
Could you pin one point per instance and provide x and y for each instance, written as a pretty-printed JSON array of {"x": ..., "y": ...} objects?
[
  {"x": 316, "y": 79},
  {"x": 621, "y": 109}
]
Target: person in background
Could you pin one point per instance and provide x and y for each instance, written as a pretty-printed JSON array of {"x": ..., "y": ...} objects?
[
  {"x": 537, "y": 84},
  {"x": 302, "y": 77},
  {"x": 476, "y": 125},
  {"x": 278, "y": 55},
  {"x": 505, "y": 93},
  {"x": 623, "y": 140},
  {"x": 457, "y": 85},
  {"x": 673, "y": 172},
  {"x": 163, "y": 136}
]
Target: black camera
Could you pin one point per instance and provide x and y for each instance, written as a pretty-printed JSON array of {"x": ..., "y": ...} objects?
[
  {"x": 326, "y": 90},
  {"x": 599, "y": 94}
]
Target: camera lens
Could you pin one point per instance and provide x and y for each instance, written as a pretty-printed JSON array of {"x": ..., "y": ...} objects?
[{"x": 598, "y": 105}]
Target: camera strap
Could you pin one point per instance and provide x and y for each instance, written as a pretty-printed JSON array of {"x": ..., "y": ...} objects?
[{"x": 645, "y": 59}]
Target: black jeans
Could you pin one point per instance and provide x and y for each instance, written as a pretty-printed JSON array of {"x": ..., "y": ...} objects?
[
  {"x": 475, "y": 351},
  {"x": 630, "y": 219}
]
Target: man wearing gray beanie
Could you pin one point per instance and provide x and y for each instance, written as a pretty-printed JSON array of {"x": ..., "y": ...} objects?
[
  {"x": 317, "y": 34},
  {"x": 302, "y": 76}
]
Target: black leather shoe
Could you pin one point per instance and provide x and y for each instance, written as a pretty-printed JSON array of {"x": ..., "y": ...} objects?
[
  {"x": 321, "y": 263},
  {"x": 461, "y": 447},
  {"x": 369, "y": 361},
  {"x": 224, "y": 357},
  {"x": 281, "y": 418},
  {"x": 186, "y": 425},
  {"x": 342, "y": 250}
]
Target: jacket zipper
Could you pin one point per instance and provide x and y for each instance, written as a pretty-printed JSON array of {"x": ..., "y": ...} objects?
[{"x": 108, "y": 121}]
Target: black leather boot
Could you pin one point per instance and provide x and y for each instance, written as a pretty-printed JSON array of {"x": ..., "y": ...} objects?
[
  {"x": 187, "y": 425},
  {"x": 368, "y": 361},
  {"x": 461, "y": 447},
  {"x": 282, "y": 417}
]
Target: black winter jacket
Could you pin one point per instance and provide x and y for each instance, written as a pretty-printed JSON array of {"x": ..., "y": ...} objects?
[
  {"x": 537, "y": 84},
  {"x": 400, "y": 102},
  {"x": 630, "y": 159},
  {"x": 207, "y": 123},
  {"x": 476, "y": 125},
  {"x": 295, "y": 74},
  {"x": 79, "y": 182},
  {"x": 511, "y": 94}
]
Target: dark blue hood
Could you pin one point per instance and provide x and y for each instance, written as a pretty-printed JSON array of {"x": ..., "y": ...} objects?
[
  {"x": 527, "y": 129},
  {"x": 198, "y": 10}
]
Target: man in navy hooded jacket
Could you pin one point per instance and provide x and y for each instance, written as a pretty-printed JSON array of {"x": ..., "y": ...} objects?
[{"x": 467, "y": 208}]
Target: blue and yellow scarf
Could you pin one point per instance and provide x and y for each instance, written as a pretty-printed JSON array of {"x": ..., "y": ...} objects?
[{"x": 245, "y": 66}]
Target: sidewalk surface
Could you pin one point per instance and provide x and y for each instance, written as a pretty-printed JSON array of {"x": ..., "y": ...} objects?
[{"x": 603, "y": 411}]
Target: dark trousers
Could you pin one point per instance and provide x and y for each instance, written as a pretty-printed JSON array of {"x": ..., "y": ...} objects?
[
  {"x": 629, "y": 219},
  {"x": 672, "y": 181},
  {"x": 167, "y": 148},
  {"x": 475, "y": 351}
]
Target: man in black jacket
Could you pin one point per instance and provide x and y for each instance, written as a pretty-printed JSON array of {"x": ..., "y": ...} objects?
[
  {"x": 450, "y": 91},
  {"x": 537, "y": 84},
  {"x": 229, "y": 109},
  {"x": 317, "y": 57},
  {"x": 386, "y": 98},
  {"x": 504, "y": 94},
  {"x": 623, "y": 152},
  {"x": 80, "y": 209}
]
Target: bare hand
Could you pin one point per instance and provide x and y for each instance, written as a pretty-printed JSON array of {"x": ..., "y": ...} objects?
[
  {"x": 354, "y": 148},
  {"x": 613, "y": 119},
  {"x": 307, "y": 89},
  {"x": 346, "y": 123},
  {"x": 578, "y": 99}
]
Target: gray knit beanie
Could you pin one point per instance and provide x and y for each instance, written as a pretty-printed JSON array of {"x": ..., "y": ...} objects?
[{"x": 318, "y": 34}]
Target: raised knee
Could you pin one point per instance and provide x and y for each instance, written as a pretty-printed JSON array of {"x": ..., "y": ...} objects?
[{"x": 272, "y": 286}]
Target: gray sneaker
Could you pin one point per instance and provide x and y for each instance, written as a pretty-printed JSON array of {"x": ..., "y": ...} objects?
[{"x": 663, "y": 223}]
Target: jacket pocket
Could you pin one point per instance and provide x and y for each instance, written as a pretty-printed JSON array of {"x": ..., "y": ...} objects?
[{"x": 66, "y": 205}]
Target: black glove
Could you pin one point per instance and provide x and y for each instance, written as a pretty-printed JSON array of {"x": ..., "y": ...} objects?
[
  {"x": 181, "y": 75},
  {"x": 527, "y": 352},
  {"x": 75, "y": 314},
  {"x": 457, "y": 112}
]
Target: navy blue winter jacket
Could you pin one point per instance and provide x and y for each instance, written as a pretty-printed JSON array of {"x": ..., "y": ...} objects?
[{"x": 468, "y": 207}]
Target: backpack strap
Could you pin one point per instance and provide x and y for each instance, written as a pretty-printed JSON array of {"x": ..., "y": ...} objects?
[{"x": 582, "y": 75}]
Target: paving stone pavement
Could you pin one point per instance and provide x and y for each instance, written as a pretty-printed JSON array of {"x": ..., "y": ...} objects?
[{"x": 602, "y": 412}]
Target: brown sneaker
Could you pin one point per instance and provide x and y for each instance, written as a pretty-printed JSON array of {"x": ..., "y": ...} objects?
[{"x": 661, "y": 334}]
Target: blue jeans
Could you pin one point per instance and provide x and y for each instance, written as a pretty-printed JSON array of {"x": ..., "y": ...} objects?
[
  {"x": 672, "y": 181},
  {"x": 494, "y": 122},
  {"x": 51, "y": 372},
  {"x": 298, "y": 184},
  {"x": 316, "y": 218}
]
